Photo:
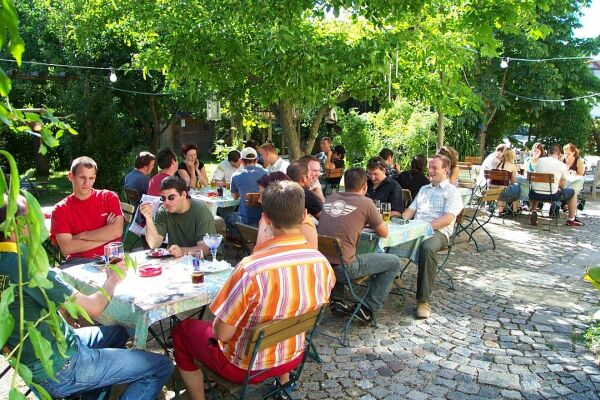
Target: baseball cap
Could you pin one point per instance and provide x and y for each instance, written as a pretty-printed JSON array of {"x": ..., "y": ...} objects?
[{"x": 248, "y": 153}]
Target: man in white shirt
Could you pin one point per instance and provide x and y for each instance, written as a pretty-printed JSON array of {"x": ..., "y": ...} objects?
[
  {"x": 491, "y": 162},
  {"x": 272, "y": 161},
  {"x": 438, "y": 203},
  {"x": 226, "y": 168},
  {"x": 555, "y": 192}
]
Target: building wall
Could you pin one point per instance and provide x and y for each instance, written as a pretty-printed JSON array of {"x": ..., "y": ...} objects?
[{"x": 198, "y": 132}]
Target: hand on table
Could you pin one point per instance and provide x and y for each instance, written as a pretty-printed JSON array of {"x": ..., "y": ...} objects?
[{"x": 175, "y": 251}]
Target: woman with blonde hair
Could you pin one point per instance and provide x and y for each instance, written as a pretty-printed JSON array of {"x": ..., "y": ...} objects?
[
  {"x": 512, "y": 193},
  {"x": 454, "y": 171},
  {"x": 573, "y": 160}
]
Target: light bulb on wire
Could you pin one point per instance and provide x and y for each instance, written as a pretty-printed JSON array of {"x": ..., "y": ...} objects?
[
  {"x": 113, "y": 76},
  {"x": 562, "y": 103},
  {"x": 504, "y": 63}
]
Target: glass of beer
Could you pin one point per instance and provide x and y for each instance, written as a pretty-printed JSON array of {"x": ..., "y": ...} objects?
[
  {"x": 113, "y": 253},
  {"x": 213, "y": 183},
  {"x": 195, "y": 258},
  {"x": 386, "y": 210},
  {"x": 227, "y": 185}
]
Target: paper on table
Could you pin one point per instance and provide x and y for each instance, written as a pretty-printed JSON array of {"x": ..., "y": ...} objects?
[{"x": 135, "y": 227}]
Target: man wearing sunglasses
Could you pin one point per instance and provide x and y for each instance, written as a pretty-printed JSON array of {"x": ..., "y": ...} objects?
[{"x": 185, "y": 220}]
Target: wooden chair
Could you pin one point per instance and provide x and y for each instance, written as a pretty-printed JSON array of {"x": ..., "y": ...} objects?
[
  {"x": 477, "y": 217},
  {"x": 331, "y": 248},
  {"x": 406, "y": 198},
  {"x": 133, "y": 196},
  {"x": 332, "y": 178},
  {"x": 474, "y": 160},
  {"x": 248, "y": 234},
  {"x": 266, "y": 335},
  {"x": 544, "y": 178},
  {"x": 252, "y": 200},
  {"x": 497, "y": 177}
]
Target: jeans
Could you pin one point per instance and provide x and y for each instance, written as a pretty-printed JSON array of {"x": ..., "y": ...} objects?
[
  {"x": 428, "y": 264},
  {"x": 234, "y": 217},
  {"x": 511, "y": 193},
  {"x": 101, "y": 362},
  {"x": 384, "y": 267}
]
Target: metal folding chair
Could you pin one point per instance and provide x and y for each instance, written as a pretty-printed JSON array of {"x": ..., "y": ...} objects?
[{"x": 477, "y": 217}]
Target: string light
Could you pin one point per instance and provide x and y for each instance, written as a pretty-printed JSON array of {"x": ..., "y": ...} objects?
[
  {"x": 112, "y": 77},
  {"x": 504, "y": 62},
  {"x": 561, "y": 101}
]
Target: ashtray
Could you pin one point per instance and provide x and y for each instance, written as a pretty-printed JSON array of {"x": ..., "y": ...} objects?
[
  {"x": 146, "y": 271},
  {"x": 212, "y": 194}
]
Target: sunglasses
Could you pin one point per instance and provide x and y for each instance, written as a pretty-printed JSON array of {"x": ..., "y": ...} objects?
[{"x": 170, "y": 197}]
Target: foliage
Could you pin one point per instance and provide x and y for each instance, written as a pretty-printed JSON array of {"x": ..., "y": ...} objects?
[
  {"x": 222, "y": 150},
  {"x": 591, "y": 336},
  {"x": 357, "y": 136}
]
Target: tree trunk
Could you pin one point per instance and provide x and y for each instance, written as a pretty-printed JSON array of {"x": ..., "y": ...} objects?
[
  {"x": 42, "y": 164},
  {"x": 440, "y": 129},
  {"x": 488, "y": 120},
  {"x": 156, "y": 131},
  {"x": 482, "y": 135},
  {"x": 237, "y": 123}
]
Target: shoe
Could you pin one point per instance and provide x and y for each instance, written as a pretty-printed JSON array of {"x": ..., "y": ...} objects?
[
  {"x": 364, "y": 315},
  {"x": 577, "y": 220},
  {"x": 339, "y": 308},
  {"x": 503, "y": 213},
  {"x": 423, "y": 310},
  {"x": 574, "y": 223},
  {"x": 533, "y": 218}
]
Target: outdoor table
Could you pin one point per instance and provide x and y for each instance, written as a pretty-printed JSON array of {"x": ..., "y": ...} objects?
[
  {"x": 574, "y": 182},
  {"x": 215, "y": 202},
  {"x": 139, "y": 302},
  {"x": 403, "y": 239}
]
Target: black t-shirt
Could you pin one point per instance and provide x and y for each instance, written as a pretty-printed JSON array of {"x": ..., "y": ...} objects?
[
  {"x": 183, "y": 165},
  {"x": 412, "y": 181},
  {"x": 388, "y": 191},
  {"x": 312, "y": 203}
]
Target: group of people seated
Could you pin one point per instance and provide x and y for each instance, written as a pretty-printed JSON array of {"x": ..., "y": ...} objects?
[
  {"x": 293, "y": 212},
  {"x": 554, "y": 162}
]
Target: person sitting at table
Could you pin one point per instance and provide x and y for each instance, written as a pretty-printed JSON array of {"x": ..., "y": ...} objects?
[
  {"x": 383, "y": 188},
  {"x": 335, "y": 158},
  {"x": 512, "y": 192},
  {"x": 298, "y": 172},
  {"x": 490, "y": 162},
  {"x": 192, "y": 170},
  {"x": 272, "y": 161},
  {"x": 167, "y": 162},
  {"x": 392, "y": 168},
  {"x": 100, "y": 349},
  {"x": 344, "y": 216},
  {"x": 414, "y": 179},
  {"x": 84, "y": 221},
  {"x": 437, "y": 203},
  {"x": 573, "y": 161},
  {"x": 537, "y": 151},
  {"x": 139, "y": 177},
  {"x": 244, "y": 181},
  {"x": 559, "y": 192},
  {"x": 324, "y": 155},
  {"x": 314, "y": 173},
  {"x": 265, "y": 231},
  {"x": 185, "y": 220},
  {"x": 257, "y": 291},
  {"x": 226, "y": 168},
  {"x": 452, "y": 155}
]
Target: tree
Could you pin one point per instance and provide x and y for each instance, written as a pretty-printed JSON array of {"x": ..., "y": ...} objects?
[{"x": 300, "y": 54}]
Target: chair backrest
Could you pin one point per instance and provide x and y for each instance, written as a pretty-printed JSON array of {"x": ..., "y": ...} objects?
[
  {"x": 132, "y": 195},
  {"x": 473, "y": 160},
  {"x": 128, "y": 211},
  {"x": 252, "y": 200},
  {"x": 497, "y": 176},
  {"x": 276, "y": 331},
  {"x": 249, "y": 235},
  {"x": 492, "y": 194},
  {"x": 465, "y": 165},
  {"x": 406, "y": 198},
  {"x": 540, "y": 177},
  {"x": 331, "y": 248},
  {"x": 334, "y": 173}
]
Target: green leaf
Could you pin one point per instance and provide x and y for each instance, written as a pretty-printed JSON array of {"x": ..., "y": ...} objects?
[
  {"x": 14, "y": 394},
  {"x": 22, "y": 369},
  {"x": 8, "y": 322},
  {"x": 41, "y": 391},
  {"x": 5, "y": 84},
  {"x": 75, "y": 310},
  {"x": 41, "y": 348}
]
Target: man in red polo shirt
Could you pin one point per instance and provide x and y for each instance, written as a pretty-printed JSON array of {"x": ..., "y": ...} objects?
[{"x": 84, "y": 221}]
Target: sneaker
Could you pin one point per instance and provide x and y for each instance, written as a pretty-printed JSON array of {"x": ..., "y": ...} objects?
[
  {"x": 503, "y": 213},
  {"x": 533, "y": 217},
  {"x": 423, "y": 310},
  {"x": 574, "y": 223},
  {"x": 339, "y": 308},
  {"x": 364, "y": 315}
]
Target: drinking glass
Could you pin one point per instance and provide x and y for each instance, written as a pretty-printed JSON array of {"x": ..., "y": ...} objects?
[
  {"x": 386, "y": 209},
  {"x": 213, "y": 242},
  {"x": 113, "y": 252},
  {"x": 195, "y": 258},
  {"x": 377, "y": 204}
]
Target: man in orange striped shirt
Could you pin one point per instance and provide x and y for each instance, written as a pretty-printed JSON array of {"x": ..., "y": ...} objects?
[{"x": 283, "y": 278}]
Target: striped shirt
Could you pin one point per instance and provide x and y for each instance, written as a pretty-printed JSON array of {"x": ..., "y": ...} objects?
[
  {"x": 434, "y": 201},
  {"x": 282, "y": 279}
]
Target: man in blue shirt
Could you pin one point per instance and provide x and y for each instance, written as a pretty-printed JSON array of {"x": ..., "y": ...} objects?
[
  {"x": 139, "y": 177},
  {"x": 243, "y": 181}
]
